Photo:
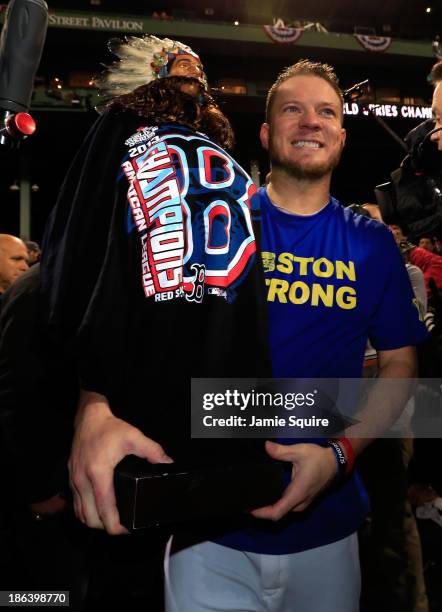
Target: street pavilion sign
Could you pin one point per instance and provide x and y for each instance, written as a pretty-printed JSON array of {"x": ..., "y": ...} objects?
[{"x": 95, "y": 22}]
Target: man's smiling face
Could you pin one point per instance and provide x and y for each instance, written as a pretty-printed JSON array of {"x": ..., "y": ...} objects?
[{"x": 304, "y": 135}]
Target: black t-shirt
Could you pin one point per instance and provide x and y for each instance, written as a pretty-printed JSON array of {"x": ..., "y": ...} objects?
[{"x": 138, "y": 341}]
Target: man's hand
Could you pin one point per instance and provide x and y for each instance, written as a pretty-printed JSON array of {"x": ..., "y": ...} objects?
[
  {"x": 314, "y": 468},
  {"x": 420, "y": 494},
  {"x": 100, "y": 442},
  {"x": 49, "y": 507}
]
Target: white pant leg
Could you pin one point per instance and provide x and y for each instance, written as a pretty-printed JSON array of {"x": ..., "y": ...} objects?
[
  {"x": 208, "y": 577},
  {"x": 324, "y": 579}
]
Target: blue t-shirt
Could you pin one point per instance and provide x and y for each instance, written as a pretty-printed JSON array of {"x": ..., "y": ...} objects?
[{"x": 334, "y": 279}]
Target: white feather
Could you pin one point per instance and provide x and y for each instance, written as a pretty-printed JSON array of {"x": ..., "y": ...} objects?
[{"x": 140, "y": 59}]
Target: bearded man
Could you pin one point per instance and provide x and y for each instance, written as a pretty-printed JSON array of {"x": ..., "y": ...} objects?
[
  {"x": 149, "y": 268},
  {"x": 334, "y": 280}
]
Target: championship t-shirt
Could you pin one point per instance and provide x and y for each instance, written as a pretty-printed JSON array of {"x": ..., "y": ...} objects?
[{"x": 151, "y": 276}]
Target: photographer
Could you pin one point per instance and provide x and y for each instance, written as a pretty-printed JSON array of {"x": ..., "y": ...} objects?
[{"x": 417, "y": 185}]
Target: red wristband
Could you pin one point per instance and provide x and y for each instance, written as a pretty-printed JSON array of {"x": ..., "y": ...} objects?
[{"x": 349, "y": 452}]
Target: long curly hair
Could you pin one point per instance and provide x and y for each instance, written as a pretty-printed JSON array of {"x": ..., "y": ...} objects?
[{"x": 163, "y": 101}]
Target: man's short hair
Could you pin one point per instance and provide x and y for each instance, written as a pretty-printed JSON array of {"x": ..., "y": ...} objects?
[
  {"x": 304, "y": 68},
  {"x": 436, "y": 73},
  {"x": 31, "y": 245}
]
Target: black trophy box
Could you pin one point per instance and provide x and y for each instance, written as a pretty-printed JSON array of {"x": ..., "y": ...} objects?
[{"x": 152, "y": 495}]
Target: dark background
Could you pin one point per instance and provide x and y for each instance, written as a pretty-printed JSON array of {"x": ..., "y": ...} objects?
[{"x": 370, "y": 155}]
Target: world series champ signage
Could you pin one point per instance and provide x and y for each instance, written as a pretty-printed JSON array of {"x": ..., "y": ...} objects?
[{"x": 393, "y": 111}]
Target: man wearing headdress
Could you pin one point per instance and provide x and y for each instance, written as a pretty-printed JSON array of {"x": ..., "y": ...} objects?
[{"x": 149, "y": 268}]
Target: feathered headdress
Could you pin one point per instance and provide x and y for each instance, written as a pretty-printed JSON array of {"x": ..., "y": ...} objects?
[{"x": 141, "y": 60}]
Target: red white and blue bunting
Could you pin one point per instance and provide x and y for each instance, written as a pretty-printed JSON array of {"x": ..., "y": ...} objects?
[
  {"x": 378, "y": 44},
  {"x": 283, "y": 35}
]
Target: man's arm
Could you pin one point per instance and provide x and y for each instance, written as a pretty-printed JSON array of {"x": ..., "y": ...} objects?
[
  {"x": 381, "y": 409},
  {"x": 100, "y": 442},
  {"x": 314, "y": 466}
]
